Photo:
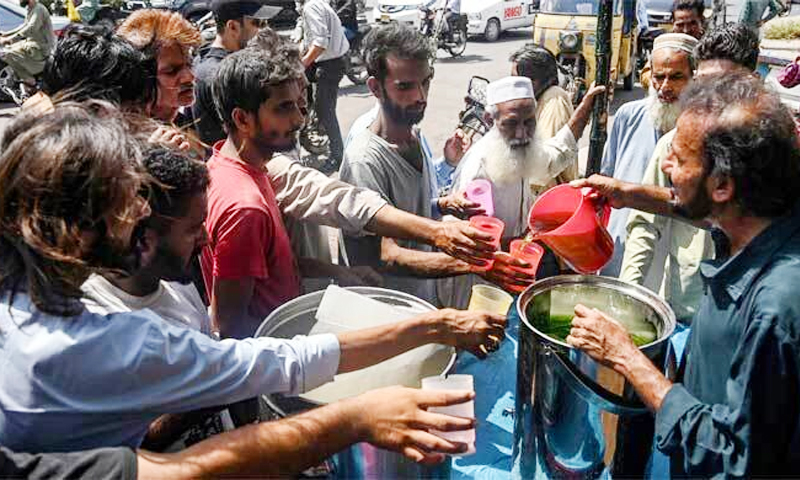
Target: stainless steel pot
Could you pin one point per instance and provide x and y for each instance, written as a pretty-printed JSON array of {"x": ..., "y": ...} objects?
[
  {"x": 360, "y": 461},
  {"x": 574, "y": 417}
]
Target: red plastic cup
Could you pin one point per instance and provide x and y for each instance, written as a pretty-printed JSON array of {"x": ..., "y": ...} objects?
[
  {"x": 491, "y": 226},
  {"x": 528, "y": 252}
]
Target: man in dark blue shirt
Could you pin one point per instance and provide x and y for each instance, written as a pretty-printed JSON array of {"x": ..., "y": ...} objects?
[
  {"x": 237, "y": 21},
  {"x": 734, "y": 163}
]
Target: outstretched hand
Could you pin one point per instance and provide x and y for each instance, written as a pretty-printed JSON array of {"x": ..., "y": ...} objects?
[
  {"x": 396, "y": 419},
  {"x": 462, "y": 241},
  {"x": 458, "y": 205},
  {"x": 504, "y": 274},
  {"x": 476, "y": 332}
]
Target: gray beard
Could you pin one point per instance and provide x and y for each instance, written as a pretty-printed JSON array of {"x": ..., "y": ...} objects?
[
  {"x": 664, "y": 116},
  {"x": 506, "y": 164}
]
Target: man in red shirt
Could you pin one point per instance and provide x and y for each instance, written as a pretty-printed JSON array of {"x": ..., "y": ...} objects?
[{"x": 248, "y": 266}]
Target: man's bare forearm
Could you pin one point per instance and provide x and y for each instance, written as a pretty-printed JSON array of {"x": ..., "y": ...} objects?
[
  {"x": 312, "y": 55},
  {"x": 414, "y": 263},
  {"x": 580, "y": 118},
  {"x": 279, "y": 448},
  {"x": 649, "y": 198},
  {"x": 395, "y": 223},
  {"x": 651, "y": 385}
]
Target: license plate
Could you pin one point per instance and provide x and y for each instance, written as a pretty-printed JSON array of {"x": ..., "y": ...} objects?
[{"x": 385, "y": 19}]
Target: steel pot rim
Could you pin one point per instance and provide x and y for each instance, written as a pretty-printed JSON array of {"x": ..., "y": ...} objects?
[{"x": 637, "y": 292}]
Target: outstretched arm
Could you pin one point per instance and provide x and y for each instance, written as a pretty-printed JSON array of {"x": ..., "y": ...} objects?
[
  {"x": 458, "y": 239},
  {"x": 392, "y": 418}
]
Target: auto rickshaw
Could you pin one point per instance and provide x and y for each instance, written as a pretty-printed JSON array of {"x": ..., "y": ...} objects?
[{"x": 568, "y": 28}]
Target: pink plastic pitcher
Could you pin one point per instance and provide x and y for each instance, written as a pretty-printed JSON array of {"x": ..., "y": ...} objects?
[
  {"x": 568, "y": 221},
  {"x": 480, "y": 191}
]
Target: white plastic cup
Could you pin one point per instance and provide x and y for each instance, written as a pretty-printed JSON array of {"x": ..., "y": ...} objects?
[
  {"x": 466, "y": 410},
  {"x": 486, "y": 298}
]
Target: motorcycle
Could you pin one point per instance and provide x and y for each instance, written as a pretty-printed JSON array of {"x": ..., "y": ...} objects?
[
  {"x": 473, "y": 119},
  {"x": 11, "y": 87},
  {"x": 355, "y": 66},
  {"x": 572, "y": 74},
  {"x": 453, "y": 41},
  {"x": 645, "y": 45}
]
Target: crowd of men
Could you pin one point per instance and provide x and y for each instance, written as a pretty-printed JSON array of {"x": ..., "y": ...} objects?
[{"x": 138, "y": 259}]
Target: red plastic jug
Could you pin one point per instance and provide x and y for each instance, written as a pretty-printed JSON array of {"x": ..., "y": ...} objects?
[{"x": 573, "y": 225}]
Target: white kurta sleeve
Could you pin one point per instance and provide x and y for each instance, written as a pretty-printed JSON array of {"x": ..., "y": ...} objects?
[
  {"x": 559, "y": 153},
  {"x": 308, "y": 195}
]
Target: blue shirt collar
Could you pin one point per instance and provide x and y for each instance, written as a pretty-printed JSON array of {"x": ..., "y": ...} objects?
[{"x": 736, "y": 274}]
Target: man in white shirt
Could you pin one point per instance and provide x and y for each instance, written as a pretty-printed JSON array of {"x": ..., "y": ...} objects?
[
  {"x": 324, "y": 46},
  {"x": 512, "y": 157}
]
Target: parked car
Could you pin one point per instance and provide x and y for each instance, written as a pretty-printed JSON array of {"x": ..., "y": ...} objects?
[
  {"x": 404, "y": 11},
  {"x": 12, "y": 15},
  {"x": 491, "y": 18},
  {"x": 195, "y": 9}
]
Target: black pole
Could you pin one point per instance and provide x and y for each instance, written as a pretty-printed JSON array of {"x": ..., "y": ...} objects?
[{"x": 597, "y": 139}]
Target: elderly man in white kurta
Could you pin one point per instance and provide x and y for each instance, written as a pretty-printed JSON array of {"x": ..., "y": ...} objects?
[{"x": 511, "y": 157}]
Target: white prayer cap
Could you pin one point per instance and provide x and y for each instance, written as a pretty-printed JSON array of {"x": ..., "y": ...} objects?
[
  {"x": 507, "y": 89},
  {"x": 675, "y": 41}
]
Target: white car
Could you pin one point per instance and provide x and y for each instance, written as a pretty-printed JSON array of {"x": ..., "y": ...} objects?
[
  {"x": 490, "y": 18},
  {"x": 493, "y": 17},
  {"x": 404, "y": 11}
]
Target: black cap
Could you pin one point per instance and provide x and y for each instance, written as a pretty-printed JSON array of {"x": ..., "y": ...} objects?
[{"x": 225, "y": 10}]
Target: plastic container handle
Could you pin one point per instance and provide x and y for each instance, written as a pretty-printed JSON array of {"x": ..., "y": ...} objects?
[
  {"x": 598, "y": 201},
  {"x": 606, "y": 216}
]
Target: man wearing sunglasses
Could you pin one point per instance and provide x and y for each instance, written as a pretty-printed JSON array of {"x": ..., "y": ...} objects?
[{"x": 237, "y": 22}]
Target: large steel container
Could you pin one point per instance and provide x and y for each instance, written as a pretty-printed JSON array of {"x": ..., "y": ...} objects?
[
  {"x": 574, "y": 417},
  {"x": 361, "y": 461}
]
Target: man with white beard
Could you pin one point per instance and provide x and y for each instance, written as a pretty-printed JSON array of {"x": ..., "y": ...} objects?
[
  {"x": 512, "y": 158},
  {"x": 638, "y": 126}
]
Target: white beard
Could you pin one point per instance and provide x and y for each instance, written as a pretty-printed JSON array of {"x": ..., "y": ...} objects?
[
  {"x": 664, "y": 116},
  {"x": 505, "y": 164}
]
